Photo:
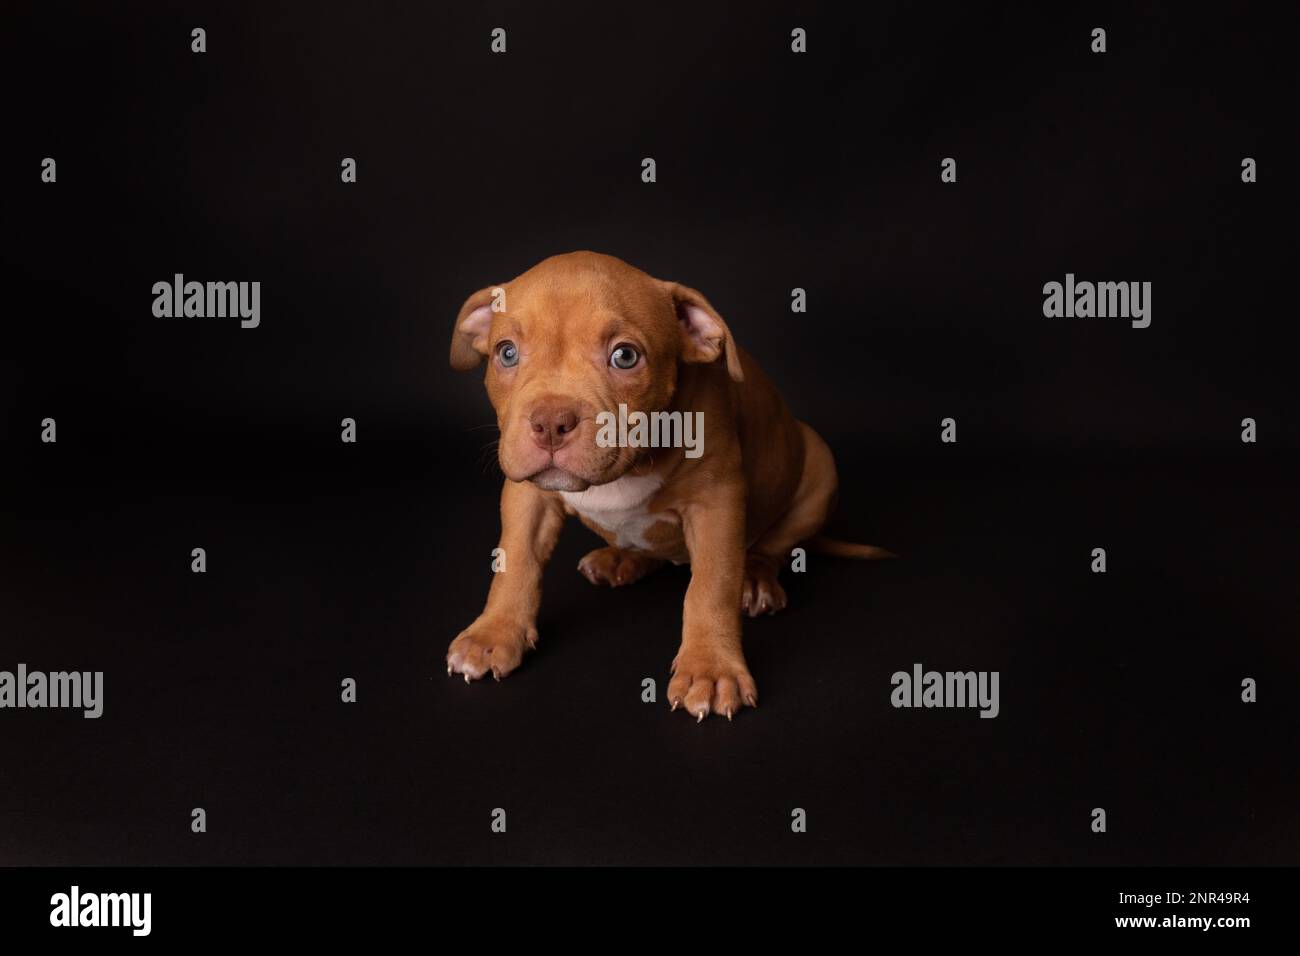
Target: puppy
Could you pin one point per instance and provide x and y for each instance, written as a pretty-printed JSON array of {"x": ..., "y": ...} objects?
[{"x": 569, "y": 342}]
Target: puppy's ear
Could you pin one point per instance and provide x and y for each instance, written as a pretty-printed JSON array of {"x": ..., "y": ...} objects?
[
  {"x": 705, "y": 337},
  {"x": 469, "y": 339}
]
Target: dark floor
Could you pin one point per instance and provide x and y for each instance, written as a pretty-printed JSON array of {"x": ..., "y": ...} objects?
[{"x": 1119, "y": 691}]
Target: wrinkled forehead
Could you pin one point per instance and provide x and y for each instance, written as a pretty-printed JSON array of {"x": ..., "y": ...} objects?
[{"x": 586, "y": 305}]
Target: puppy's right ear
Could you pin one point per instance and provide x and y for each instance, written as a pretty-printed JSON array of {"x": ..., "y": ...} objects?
[{"x": 469, "y": 339}]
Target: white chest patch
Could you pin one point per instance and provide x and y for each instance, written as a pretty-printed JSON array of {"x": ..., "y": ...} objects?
[{"x": 620, "y": 507}]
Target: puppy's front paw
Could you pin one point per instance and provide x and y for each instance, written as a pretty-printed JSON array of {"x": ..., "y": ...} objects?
[
  {"x": 707, "y": 682},
  {"x": 489, "y": 644}
]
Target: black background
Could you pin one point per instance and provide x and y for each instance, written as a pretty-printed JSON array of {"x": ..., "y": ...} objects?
[{"x": 328, "y": 560}]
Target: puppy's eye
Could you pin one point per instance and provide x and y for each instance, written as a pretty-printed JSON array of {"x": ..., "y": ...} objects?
[
  {"x": 508, "y": 353},
  {"x": 624, "y": 356}
]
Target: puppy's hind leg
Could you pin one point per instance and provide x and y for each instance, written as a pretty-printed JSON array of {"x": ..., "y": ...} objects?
[
  {"x": 813, "y": 501},
  {"x": 616, "y": 567},
  {"x": 762, "y": 592}
]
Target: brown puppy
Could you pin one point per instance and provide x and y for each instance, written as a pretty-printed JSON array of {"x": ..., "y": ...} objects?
[{"x": 582, "y": 334}]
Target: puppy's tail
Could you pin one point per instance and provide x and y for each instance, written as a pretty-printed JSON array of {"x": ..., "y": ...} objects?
[{"x": 847, "y": 549}]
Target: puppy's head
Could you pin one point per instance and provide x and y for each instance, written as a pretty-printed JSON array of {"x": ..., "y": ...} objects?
[{"x": 574, "y": 336}]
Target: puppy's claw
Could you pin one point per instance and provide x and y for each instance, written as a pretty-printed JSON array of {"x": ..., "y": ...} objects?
[
  {"x": 675, "y": 703},
  {"x": 728, "y": 713},
  {"x": 466, "y": 678},
  {"x": 700, "y": 718}
]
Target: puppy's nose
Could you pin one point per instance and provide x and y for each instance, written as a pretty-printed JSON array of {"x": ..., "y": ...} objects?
[{"x": 553, "y": 425}]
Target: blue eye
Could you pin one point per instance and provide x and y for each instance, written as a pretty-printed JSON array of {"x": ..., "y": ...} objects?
[
  {"x": 508, "y": 353},
  {"x": 624, "y": 356}
]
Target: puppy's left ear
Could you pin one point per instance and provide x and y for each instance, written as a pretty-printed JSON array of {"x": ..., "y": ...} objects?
[
  {"x": 469, "y": 337},
  {"x": 705, "y": 336}
]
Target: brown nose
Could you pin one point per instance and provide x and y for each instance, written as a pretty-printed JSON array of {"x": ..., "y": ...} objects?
[{"x": 552, "y": 425}]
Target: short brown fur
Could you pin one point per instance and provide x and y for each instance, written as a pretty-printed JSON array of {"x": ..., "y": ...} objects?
[{"x": 765, "y": 484}]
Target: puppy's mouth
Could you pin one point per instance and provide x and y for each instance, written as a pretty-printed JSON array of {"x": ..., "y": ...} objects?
[
  {"x": 557, "y": 479},
  {"x": 569, "y": 469},
  {"x": 554, "y": 478}
]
